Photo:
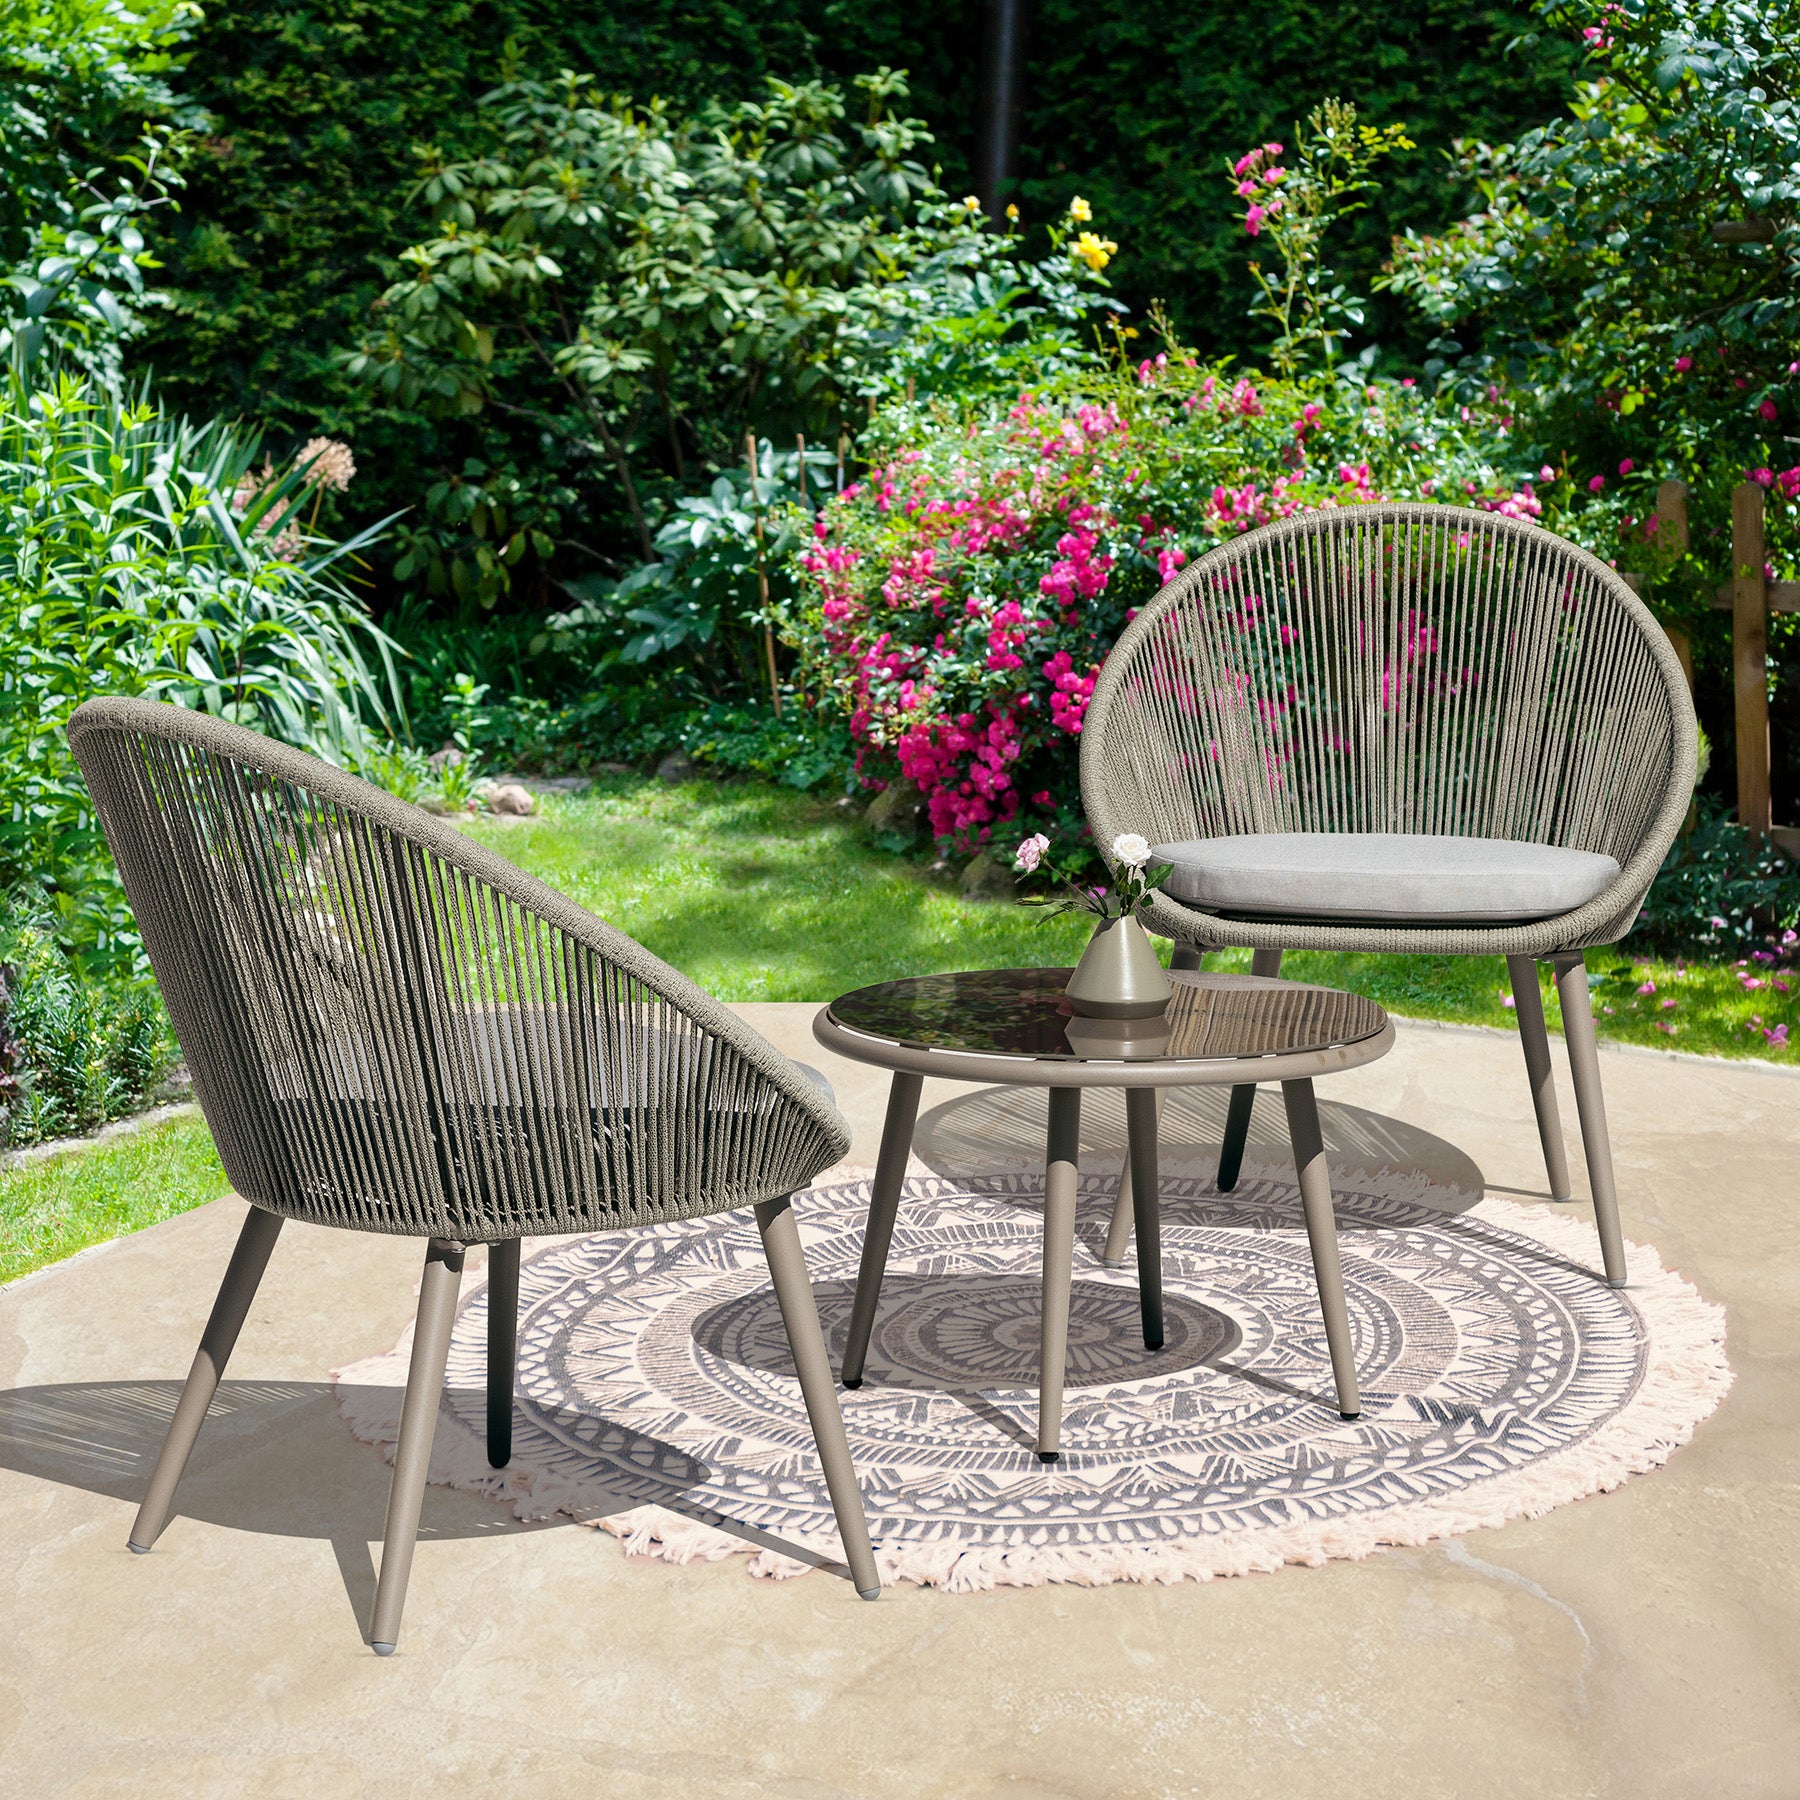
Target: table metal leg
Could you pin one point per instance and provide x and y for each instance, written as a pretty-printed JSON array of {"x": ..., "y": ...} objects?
[
  {"x": 1243, "y": 1097},
  {"x": 1118, "y": 1231},
  {"x": 884, "y": 1204},
  {"x": 1321, "y": 1232},
  {"x": 1140, "y": 1123},
  {"x": 1060, "y": 1162}
]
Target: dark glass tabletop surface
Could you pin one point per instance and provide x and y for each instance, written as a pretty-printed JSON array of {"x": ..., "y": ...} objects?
[{"x": 1022, "y": 1012}]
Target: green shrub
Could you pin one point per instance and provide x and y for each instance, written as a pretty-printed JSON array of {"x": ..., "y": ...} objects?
[
  {"x": 141, "y": 554},
  {"x": 80, "y": 1049},
  {"x": 1719, "y": 893}
]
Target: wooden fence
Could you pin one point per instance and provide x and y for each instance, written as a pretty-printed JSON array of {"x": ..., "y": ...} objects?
[{"x": 1749, "y": 597}]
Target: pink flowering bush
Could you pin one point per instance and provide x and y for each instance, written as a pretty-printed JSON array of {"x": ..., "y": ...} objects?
[{"x": 957, "y": 602}]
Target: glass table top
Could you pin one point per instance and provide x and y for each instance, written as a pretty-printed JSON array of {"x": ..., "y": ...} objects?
[{"x": 1022, "y": 1012}]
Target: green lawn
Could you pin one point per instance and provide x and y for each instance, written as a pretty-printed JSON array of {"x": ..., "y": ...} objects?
[
  {"x": 52, "y": 1208},
  {"x": 760, "y": 893}
]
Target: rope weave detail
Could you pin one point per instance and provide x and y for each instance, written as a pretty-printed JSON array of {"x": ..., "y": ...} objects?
[
  {"x": 393, "y": 1030},
  {"x": 1389, "y": 669}
]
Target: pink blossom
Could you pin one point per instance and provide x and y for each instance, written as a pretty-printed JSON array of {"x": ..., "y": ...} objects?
[
  {"x": 1627, "y": 466},
  {"x": 1768, "y": 411},
  {"x": 1597, "y": 485},
  {"x": 1763, "y": 477},
  {"x": 1253, "y": 218},
  {"x": 1778, "y": 1037},
  {"x": 1649, "y": 987},
  {"x": 1683, "y": 364},
  {"x": 1546, "y": 473}
]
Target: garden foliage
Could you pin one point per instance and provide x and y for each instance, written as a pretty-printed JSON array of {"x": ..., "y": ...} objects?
[
  {"x": 142, "y": 554},
  {"x": 91, "y": 139}
]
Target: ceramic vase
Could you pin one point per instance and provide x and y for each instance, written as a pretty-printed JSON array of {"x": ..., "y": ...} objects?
[{"x": 1118, "y": 976}]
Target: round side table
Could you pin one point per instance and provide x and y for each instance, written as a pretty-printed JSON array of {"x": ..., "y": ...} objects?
[{"x": 1014, "y": 1027}]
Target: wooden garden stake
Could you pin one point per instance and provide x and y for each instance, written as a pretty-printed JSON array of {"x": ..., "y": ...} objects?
[
  {"x": 1750, "y": 656},
  {"x": 762, "y": 576},
  {"x": 1671, "y": 509},
  {"x": 806, "y": 501},
  {"x": 843, "y": 445}
]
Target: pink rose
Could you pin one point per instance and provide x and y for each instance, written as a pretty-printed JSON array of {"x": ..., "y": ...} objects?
[{"x": 1597, "y": 485}]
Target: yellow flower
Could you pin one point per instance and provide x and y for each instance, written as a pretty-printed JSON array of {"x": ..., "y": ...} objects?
[
  {"x": 1012, "y": 212},
  {"x": 972, "y": 202},
  {"x": 1096, "y": 252},
  {"x": 1080, "y": 211}
]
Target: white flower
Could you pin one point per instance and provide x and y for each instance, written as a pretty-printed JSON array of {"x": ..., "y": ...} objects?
[
  {"x": 326, "y": 463},
  {"x": 1131, "y": 849},
  {"x": 1030, "y": 853}
]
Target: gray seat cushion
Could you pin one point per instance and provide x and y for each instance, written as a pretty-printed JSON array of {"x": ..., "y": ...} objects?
[{"x": 1391, "y": 876}]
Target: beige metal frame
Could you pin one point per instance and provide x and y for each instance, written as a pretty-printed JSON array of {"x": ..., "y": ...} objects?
[
  {"x": 1558, "y": 712},
  {"x": 394, "y": 1030}
]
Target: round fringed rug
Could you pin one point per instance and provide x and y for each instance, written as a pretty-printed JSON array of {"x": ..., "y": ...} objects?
[{"x": 1500, "y": 1377}]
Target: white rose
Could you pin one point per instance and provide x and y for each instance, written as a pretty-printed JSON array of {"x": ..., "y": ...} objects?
[{"x": 1131, "y": 849}]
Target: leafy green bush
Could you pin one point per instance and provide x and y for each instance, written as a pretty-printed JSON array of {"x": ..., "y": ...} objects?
[
  {"x": 642, "y": 286},
  {"x": 79, "y": 1049},
  {"x": 141, "y": 554},
  {"x": 1720, "y": 892},
  {"x": 91, "y": 141}
]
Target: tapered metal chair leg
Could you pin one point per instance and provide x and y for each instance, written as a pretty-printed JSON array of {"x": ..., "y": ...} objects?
[
  {"x": 503, "y": 1347},
  {"x": 1321, "y": 1234},
  {"x": 800, "y": 1317},
  {"x": 1060, "y": 1168},
  {"x": 1590, "y": 1103},
  {"x": 884, "y": 1205},
  {"x": 243, "y": 1274},
  {"x": 1140, "y": 1126},
  {"x": 418, "y": 1425},
  {"x": 1243, "y": 1096},
  {"x": 1528, "y": 1003},
  {"x": 1187, "y": 957}
]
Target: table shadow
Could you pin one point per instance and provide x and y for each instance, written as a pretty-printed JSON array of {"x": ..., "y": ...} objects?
[{"x": 990, "y": 1129}]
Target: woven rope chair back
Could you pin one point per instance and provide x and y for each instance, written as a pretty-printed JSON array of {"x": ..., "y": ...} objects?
[
  {"x": 391, "y": 1029},
  {"x": 1393, "y": 669}
]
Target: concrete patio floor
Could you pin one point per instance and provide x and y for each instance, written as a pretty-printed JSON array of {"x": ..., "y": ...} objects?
[{"x": 1642, "y": 1643}]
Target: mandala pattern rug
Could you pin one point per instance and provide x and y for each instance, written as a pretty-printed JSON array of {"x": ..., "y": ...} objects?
[{"x": 1500, "y": 1377}]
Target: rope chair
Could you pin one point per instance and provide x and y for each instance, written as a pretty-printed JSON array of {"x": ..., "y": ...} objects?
[
  {"x": 391, "y": 1029},
  {"x": 1410, "y": 729}
]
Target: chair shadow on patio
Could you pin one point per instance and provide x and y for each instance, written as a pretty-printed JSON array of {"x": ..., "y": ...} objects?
[{"x": 271, "y": 1461}]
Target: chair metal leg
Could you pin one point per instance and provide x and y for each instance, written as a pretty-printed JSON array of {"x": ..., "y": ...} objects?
[
  {"x": 1528, "y": 1003},
  {"x": 884, "y": 1205},
  {"x": 1140, "y": 1121},
  {"x": 503, "y": 1347},
  {"x": 1321, "y": 1234},
  {"x": 1243, "y": 1096},
  {"x": 1060, "y": 1162},
  {"x": 800, "y": 1317},
  {"x": 242, "y": 1276},
  {"x": 1590, "y": 1103},
  {"x": 418, "y": 1425},
  {"x": 1188, "y": 957}
]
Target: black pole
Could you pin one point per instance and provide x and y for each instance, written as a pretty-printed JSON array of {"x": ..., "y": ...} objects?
[{"x": 1002, "y": 85}]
